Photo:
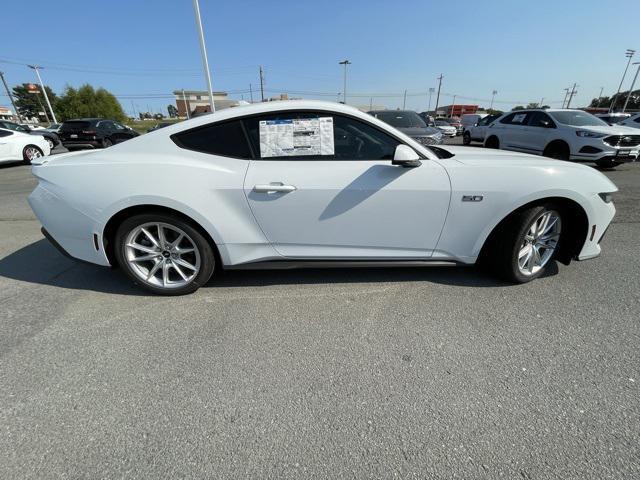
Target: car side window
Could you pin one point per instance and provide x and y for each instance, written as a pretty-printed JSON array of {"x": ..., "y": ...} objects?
[
  {"x": 353, "y": 139},
  {"x": 507, "y": 120},
  {"x": 4, "y": 133},
  {"x": 541, "y": 119},
  {"x": 117, "y": 126},
  {"x": 637, "y": 120},
  {"x": 224, "y": 138}
]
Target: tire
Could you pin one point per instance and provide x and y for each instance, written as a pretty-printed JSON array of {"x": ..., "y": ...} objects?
[
  {"x": 607, "y": 163},
  {"x": 31, "y": 152},
  {"x": 51, "y": 143},
  {"x": 492, "y": 142},
  {"x": 174, "y": 269},
  {"x": 508, "y": 255},
  {"x": 557, "y": 151},
  {"x": 466, "y": 138},
  {"x": 106, "y": 143}
]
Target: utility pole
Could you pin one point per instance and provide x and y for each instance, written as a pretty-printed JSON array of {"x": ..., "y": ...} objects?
[
  {"x": 6, "y": 87},
  {"x": 600, "y": 96},
  {"x": 453, "y": 106},
  {"x": 184, "y": 100},
  {"x": 541, "y": 102},
  {"x": 344, "y": 90},
  {"x": 566, "y": 92},
  {"x": 251, "y": 92},
  {"x": 133, "y": 108},
  {"x": 370, "y": 103},
  {"x": 404, "y": 102},
  {"x": 493, "y": 95},
  {"x": 635, "y": 77},
  {"x": 203, "y": 51},
  {"x": 44, "y": 92},
  {"x": 431, "y": 90},
  {"x": 571, "y": 94},
  {"x": 438, "y": 96},
  {"x": 629, "y": 54},
  {"x": 261, "y": 84}
]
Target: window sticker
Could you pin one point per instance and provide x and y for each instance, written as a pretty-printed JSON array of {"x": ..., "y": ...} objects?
[
  {"x": 519, "y": 118},
  {"x": 296, "y": 137}
]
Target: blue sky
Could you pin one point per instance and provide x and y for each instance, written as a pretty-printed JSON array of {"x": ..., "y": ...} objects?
[{"x": 525, "y": 50}]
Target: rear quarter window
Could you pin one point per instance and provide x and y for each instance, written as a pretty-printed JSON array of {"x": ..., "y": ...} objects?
[{"x": 226, "y": 139}]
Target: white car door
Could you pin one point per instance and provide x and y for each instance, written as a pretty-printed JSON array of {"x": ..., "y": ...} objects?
[
  {"x": 7, "y": 145},
  {"x": 347, "y": 202},
  {"x": 515, "y": 132},
  {"x": 538, "y": 133}
]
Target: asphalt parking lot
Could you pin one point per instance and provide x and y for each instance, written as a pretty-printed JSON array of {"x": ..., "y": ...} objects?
[{"x": 376, "y": 373}]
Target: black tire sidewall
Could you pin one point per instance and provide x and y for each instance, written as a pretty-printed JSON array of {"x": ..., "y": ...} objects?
[
  {"x": 106, "y": 143},
  {"x": 510, "y": 240},
  {"x": 466, "y": 138},
  {"x": 207, "y": 256}
]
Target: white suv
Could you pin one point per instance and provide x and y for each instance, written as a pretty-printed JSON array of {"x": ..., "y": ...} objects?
[
  {"x": 478, "y": 131},
  {"x": 564, "y": 135},
  {"x": 633, "y": 121}
]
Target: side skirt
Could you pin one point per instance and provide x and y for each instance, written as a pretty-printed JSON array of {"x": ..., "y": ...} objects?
[{"x": 294, "y": 264}]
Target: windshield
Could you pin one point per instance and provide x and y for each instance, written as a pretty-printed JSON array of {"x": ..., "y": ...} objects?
[
  {"x": 401, "y": 119},
  {"x": 576, "y": 118},
  {"x": 442, "y": 123}
]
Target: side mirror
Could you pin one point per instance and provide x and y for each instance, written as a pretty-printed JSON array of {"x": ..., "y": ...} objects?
[{"x": 406, "y": 157}]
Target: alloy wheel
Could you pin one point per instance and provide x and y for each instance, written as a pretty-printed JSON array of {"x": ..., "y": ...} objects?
[
  {"x": 539, "y": 243},
  {"x": 31, "y": 153},
  {"x": 162, "y": 255}
]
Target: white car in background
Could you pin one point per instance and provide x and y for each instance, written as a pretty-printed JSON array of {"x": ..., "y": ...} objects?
[
  {"x": 633, "y": 121},
  {"x": 21, "y": 146},
  {"x": 477, "y": 132},
  {"x": 446, "y": 129},
  {"x": 306, "y": 183},
  {"x": 565, "y": 135}
]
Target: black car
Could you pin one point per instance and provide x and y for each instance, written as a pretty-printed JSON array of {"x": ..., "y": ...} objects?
[
  {"x": 159, "y": 125},
  {"x": 93, "y": 133},
  {"x": 51, "y": 137},
  {"x": 411, "y": 124}
]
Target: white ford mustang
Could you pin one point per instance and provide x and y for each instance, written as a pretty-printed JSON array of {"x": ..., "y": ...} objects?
[{"x": 299, "y": 183}]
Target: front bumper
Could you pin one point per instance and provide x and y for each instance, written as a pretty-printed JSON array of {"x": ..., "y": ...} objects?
[
  {"x": 599, "y": 222},
  {"x": 593, "y": 150}
]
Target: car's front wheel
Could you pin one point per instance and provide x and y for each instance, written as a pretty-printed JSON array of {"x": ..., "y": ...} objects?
[
  {"x": 164, "y": 254},
  {"x": 526, "y": 244},
  {"x": 466, "y": 138},
  {"x": 106, "y": 143},
  {"x": 31, "y": 152}
]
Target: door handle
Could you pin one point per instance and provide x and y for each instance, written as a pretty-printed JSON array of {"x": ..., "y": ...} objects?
[{"x": 274, "y": 187}]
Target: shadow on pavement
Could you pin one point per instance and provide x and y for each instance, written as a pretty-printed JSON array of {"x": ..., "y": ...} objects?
[{"x": 41, "y": 263}]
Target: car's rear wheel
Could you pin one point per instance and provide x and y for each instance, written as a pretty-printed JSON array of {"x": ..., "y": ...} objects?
[
  {"x": 492, "y": 142},
  {"x": 527, "y": 244},
  {"x": 31, "y": 152},
  {"x": 557, "y": 151},
  {"x": 164, "y": 254},
  {"x": 466, "y": 138}
]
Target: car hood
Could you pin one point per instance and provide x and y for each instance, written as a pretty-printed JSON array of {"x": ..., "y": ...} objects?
[
  {"x": 503, "y": 159},
  {"x": 610, "y": 130},
  {"x": 419, "y": 131}
]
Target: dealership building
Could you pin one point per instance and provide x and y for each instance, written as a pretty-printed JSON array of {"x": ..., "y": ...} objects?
[
  {"x": 197, "y": 101},
  {"x": 456, "y": 110}
]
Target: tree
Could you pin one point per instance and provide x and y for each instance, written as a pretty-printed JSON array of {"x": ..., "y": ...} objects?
[
  {"x": 89, "y": 102},
  {"x": 29, "y": 104},
  {"x": 517, "y": 107},
  {"x": 173, "y": 111},
  {"x": 493, "y": 111}
]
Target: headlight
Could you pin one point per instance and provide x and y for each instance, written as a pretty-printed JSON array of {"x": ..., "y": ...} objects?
[
  {"x": 607, "y": 197},
  {"x": 586, "y": 133}
]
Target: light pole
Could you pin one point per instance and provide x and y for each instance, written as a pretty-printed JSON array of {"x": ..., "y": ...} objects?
[
  {"x": 404, "y": 102},
  {"x": 629, "y": 54},
  {"x": 431, "y": 91},
  {"x": 46, "y": 97},
  {"x": 203, "y": 51},
  {"x": 344, "y": 90},
  {"x": 571, "y": 94},
  {"x": 6, "y": 87},
  {"x": 566, "y": 93},
  {"x": 453, "y": 106},
  {"x": 493, "y": 95},
  {"x": 438, "y": 96},
  {"x": 600, "y": 96},
  {"x": 635, "y": 77}
]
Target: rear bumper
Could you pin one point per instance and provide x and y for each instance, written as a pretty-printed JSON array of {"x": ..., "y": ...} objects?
[
  {"x": 82, "y": 143},
  {"x": 72, "y": 232}
]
